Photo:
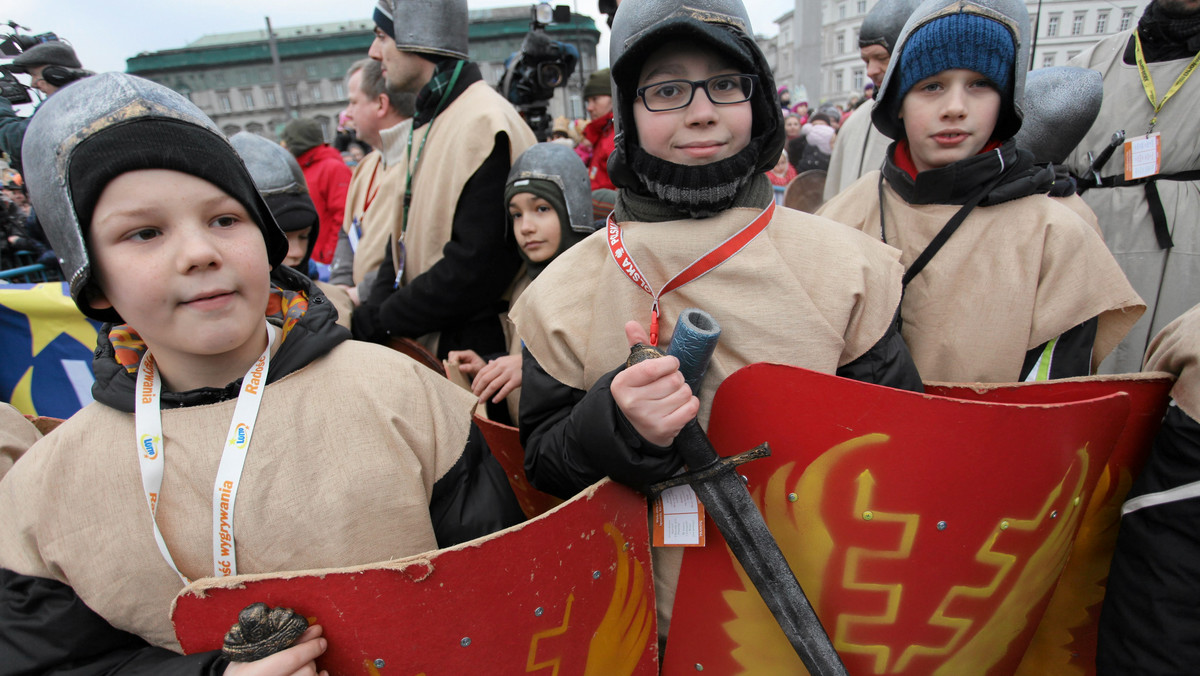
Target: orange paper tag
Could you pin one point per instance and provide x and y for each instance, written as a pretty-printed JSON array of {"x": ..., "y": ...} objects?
[
  {"x": 678, "y": 518},
  {"x": 1143, "y": 156}
]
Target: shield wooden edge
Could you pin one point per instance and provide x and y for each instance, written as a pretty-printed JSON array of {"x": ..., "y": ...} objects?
[
  {"x": 570, "y": 592},
  {"x": 1065, "y": 642},
  {"x": 505, "y": 443},
  {"x": 927, "y": 531}
]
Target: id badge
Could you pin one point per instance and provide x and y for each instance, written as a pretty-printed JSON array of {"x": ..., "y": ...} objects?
[
  {"x": 400, "y": 257},
  {"x": 678, "y": 518},
  {"x": 355, "y": 233},
  {"x": 1143, "y": 156}
]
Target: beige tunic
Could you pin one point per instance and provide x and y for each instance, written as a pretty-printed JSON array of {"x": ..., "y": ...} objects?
[
  {"x": 803, "y": 293},
  {"x": 1013, "y": 276},
  {"x": 1169, "y": 282},
  {"x": 341, "y": 481},
  {"x": 17, "y": 434},
  {"x": 377, "y": 223},
  {"x": 859, "y": 148},
  {"x": 460, "y": 139},
  {"x": 1176, "y": 349}
]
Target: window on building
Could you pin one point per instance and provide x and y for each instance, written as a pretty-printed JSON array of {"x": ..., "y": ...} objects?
[
  {"x": 1052, "y": 26},
  {"x": 225, "y": 103},
  {"x": 862, "y": 6},
  {"x": 314, "y": 91},
  {"x": 841, "y": 44},
  {"x": 310, "y": 70},
  {"x": 248, "y": 100},
  {"x": 293, "y": 96},
  {"x": 231, "y": 129},
  {"x": 1048, "y": 60},
  {"x": 1077, "y": 23},
  {"x": 839, "y": 82},
  {"x": 1102, "y": 22},
  {"x": 1072, "y": 54},
  {"x": 272, "y": 100},
  {"x": 219, "y": 78},
  {"x": 339, "y": 90},
  {"x": 1126, "y": 19},
  {"x": 842, "y": 11},
  {"x": 858, "y": 79}
]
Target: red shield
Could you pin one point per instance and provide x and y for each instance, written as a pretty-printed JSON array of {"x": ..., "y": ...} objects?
[
  {"x": 1065, "y": 642},
  {"x": 568, "y": 593},
  {"x": 927, "y": 532}
]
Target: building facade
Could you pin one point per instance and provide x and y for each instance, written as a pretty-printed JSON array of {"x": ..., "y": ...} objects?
[
  {"x": 1063, "y": 28},
  {"x": 232, "y": 78}
]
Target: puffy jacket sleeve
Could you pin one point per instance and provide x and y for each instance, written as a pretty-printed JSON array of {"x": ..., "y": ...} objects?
[
  {"x": 474, "y": 497},
  {"x": 46, "y": 629}
]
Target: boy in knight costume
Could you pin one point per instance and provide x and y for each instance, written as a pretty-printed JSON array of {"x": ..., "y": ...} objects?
[
  {"x": 280, "y": 181},
  {"x": 697, "y": 128},
  {"x": 549, "y": 204},
  {"x": 1150, "y": 622},
  {"x": 1002, "y": 283},
  {"x": 164, "y": 237}
]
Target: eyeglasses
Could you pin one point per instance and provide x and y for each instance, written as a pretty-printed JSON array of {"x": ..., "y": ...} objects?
[{"x": 722, "y": 90}]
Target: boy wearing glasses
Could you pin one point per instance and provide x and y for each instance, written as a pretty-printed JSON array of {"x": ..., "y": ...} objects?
[{"x": 697, "y": 128}]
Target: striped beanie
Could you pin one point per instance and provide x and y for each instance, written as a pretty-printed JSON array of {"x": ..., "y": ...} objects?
[{"x": 383, "y": 17}]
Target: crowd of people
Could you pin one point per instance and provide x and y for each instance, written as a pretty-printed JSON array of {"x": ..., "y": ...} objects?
[{"x": 236, "y": 278}]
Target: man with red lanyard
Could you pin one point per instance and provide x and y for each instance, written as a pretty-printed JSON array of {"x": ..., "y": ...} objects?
[
  {"x": 1146, "y": 194},
  {"x": 597, "y": 96},
  {"x": 376, "y": 193}
]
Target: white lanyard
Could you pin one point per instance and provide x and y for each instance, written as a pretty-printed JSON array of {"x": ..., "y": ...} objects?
[{"x": 148, "y": 428}]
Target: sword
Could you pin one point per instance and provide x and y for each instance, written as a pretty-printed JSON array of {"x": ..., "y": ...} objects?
[
  {"x": 728, "y": 502},
  {"x": 1098, "y": 162}
]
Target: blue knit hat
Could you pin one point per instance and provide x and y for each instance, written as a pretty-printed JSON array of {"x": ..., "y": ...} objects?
[{"x": 966, "y": 41}]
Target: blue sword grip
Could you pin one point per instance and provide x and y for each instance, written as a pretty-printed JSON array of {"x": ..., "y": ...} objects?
[{"x": 693, "y": 343}]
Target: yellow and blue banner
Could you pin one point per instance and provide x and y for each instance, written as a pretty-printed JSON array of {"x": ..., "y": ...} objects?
[{"x": 47, "y": 345}]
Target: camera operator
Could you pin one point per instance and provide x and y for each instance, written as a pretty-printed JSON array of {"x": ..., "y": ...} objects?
[{"x": 52, "y": 65}]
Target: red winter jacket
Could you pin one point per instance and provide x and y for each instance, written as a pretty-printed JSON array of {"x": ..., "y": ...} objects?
[
  {"x": 328, "y": 179},
  {"x": 600, "y": 133}
]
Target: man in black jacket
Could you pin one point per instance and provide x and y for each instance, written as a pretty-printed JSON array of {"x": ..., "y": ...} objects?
[{"x": 446, "y": 275}]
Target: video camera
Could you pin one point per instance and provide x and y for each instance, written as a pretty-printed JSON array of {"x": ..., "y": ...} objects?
[
  {"x": 532, "y": 74},
  {"x": 13, "y": 44}
]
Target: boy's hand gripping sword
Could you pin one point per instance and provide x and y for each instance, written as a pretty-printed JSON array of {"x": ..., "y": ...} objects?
[{"x": 728, "y": 502}]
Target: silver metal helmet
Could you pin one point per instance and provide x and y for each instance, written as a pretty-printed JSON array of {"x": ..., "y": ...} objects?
[
  {"x": 1012, "y": 14},
  {"x": 884, "y": 22},
  {"x": 1061, "y": 103},
  {"x": 428, "y": 27},
  {"x": 640, "y": 27},
  {"x": 274, "y": 170},
  {"x": 560, "y": 165},
  {"x": 93, "y": 113}
]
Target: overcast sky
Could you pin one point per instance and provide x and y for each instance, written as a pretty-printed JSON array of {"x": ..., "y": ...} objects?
[{"x": 106, "y": 32}]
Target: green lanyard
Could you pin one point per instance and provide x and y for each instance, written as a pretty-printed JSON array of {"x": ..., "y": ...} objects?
[
  {"x": 411, "y": 168},
  {"x": 1148, "y": 81}
]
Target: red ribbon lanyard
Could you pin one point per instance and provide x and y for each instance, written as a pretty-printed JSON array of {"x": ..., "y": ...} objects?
[
  {"x": 370, "y": 195},
  {"x": 701, "y": 266}
]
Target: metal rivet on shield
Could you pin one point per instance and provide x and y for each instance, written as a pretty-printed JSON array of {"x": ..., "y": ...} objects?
[
  {"x": 625, "y": 547},
  {"x": 595, "y": 575},
  {"x": 1077, "y": 499},
  {"x": 745, "y": 480},
  {"x": 867, "y": 516},
  {"x": 379, "y": 664},
  {"x": 1003, "y": 525},
  {"x": 941, "y": 525},
  {"x": 792, "y": 497},
  {"x": 1054, "y": 514},
  {"x": 699, "y": 667},
  {"x": 466, "y": 641},
  {"x": 538, "y": 611}
]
